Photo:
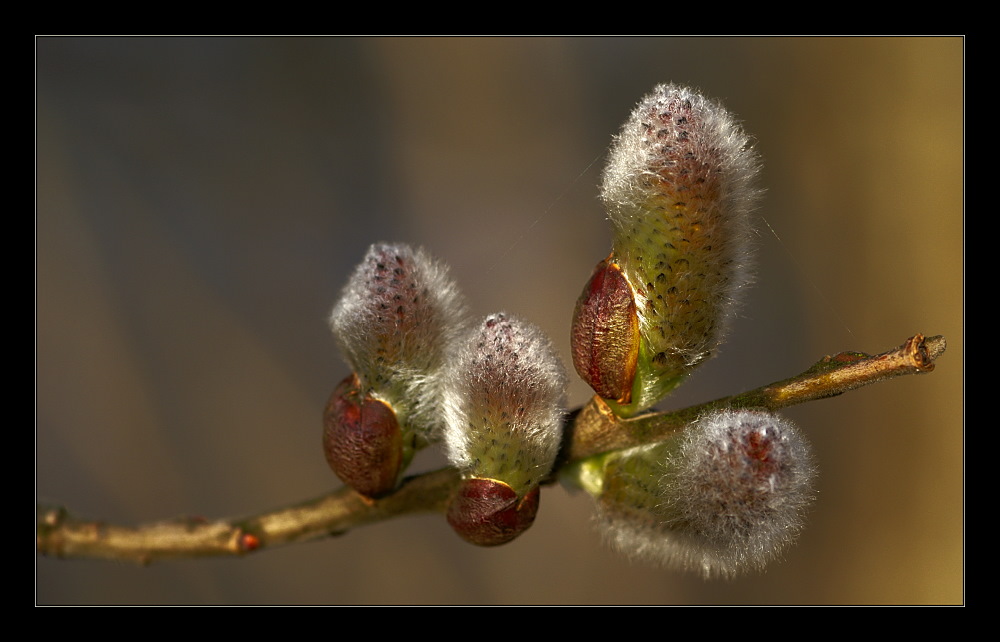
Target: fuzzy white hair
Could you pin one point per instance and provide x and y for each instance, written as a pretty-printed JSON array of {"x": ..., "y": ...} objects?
[
  {"x": 395, "y": 323},
  {"x": 678, "y": 187},
  {"x": 504, "y": 401},
  {"x": 727, "y": 498}
]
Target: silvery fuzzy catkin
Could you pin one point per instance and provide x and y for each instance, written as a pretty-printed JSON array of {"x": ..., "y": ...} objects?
[
  {"x": 726, "y": 496},
  {"x": 678, "y": 192},
  {"x": 503, "y": 408},
  {"x": 504, "y": 403},
  {"x": 395, "y": 323}
]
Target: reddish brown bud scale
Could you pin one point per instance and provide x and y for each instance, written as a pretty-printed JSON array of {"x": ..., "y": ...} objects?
[
  {"x": 362, "y": 440},
  {"x": 605, "y": 334},
  {"x": 488, "y": 512}
]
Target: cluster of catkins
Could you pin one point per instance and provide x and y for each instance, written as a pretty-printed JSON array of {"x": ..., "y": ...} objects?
[
  {"x": 725, "y": 495},
  {"x": 492, "y": 392}
]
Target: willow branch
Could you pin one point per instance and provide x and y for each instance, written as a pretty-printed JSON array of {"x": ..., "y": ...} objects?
[
  {"x": 60, "y": 534},
  {"x": 595, "y": 429},
  {"x": 590, "y": 430}
]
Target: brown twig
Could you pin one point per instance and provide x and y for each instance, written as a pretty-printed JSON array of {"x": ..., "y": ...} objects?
[
  {"x": 595, "y": 429},
  {"x": 60, "y": 534},
  {"x": 591, "y": 430}
]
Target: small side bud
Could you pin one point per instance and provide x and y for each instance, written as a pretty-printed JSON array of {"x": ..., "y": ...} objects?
[
  {"x": 678, "y": 190},
  {"x": 503, "y": 411},
  {"x": 362, "y": 440},
  {"x": 726, "y": 496}
]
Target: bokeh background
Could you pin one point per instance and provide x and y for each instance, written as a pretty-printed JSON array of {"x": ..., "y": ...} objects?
[{"x": 201, "y": 201}]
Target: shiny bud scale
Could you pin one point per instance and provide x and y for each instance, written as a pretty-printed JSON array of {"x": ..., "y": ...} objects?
[
  {"x": 605, "y": 336},
  {"x": 362, "y": 440},
  {"x": 488, "y": 512}
]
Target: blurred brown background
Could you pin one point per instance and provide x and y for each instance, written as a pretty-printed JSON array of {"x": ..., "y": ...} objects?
[{"x": 202, "y": 201}]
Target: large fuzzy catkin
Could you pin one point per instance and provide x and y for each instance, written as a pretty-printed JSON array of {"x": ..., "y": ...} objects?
[
  {"x": 504, "y": 403},
  {"x": 678, "y": 192},
  {"x": 503, "y": 408},
  {"x": 725, "y": 497},
  {"x": 395, "y": 323}
]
